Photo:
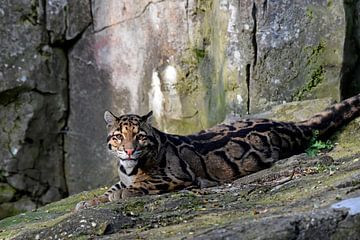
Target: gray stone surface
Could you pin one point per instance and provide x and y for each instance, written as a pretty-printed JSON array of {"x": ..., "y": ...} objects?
[
  {"x": 32, "y": 107},
  {"x": 33, "y": 99},
  {"x": 299, "y": 59},
  {"x": 351, "y": 70},
  {"x": 64, "y": 62},
  {"x": 201, "y": 60},
  {"x": 78, "y": 18},
  {"x": 285, "y": 51},
  {"x": 111, "y": 68},
  {"x": 19, "y": 58},
  {"x": 66, "y": 19},
  {"x": 56, "y": 19},
  {"x": 23, "y": 204}
]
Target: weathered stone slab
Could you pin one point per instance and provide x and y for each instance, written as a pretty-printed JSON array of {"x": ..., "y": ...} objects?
[
  {"x": 56, "y": 19},
  {"x": 287, "y": 50},
  {"x": 19, "y": 57},
  {"x": 112, "y": 68},
  {"x": 78, "y": 18},
  {"x": 66, "y": 19},
  {"x": 32, "y": 106},
  {"x": 293, "y": 199},
  {"x": 194, "y": 62}
]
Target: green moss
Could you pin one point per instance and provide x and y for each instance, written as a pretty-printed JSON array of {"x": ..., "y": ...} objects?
[
  {"x": 31, "y": 17},
  {"x": 195, "y": 224},
  {"x": 203, "y": 6},
  {"x": 316, "y": 51},
  {"x": 203, "y": 82},
  {"x": 2, "y": 175},
  {"x": 330, "y": 3},
  {"x": 321, "y": 177},
  {"x": 206, "y": 221},
  {"x": 133, "y": 206},
  {"x": 340, "y": 177},
  {"x": 29, "y": 221},
  {"x": 179, "y": 214},
  {"x": 187, "y": 86},
  {"x": 349, "y": 139},
  {"x": 188, "y": 81},
  {"x": 43, "y": 217},
  {"x": 81, "y": 237},
  {"x": 188, "y": 201},
  {"x": 8, "y": 209},
  {"x": 6, "y": 192},
  {"x": 182, "y": 214},
  {"x": 315, "y": 68},
  {"x": 231, "y": 86},
  {"x": 321, "y": 167},
  {"x": 309, "y": 13},
  {"x": 200, "y": 54}
]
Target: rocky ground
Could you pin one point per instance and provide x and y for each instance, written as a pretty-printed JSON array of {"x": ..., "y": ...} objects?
[
  {"x": 298, "y": 198},
  {"x": 63, "y": 62}
]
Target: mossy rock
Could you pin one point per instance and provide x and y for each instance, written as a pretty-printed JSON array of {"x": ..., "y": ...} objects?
[
  {"x": 292, "y": 199},
  {"x": 6, "y": 192}
]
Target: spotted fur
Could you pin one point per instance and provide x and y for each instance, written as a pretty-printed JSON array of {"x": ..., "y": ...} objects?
[{"x": 154, "y": 162}]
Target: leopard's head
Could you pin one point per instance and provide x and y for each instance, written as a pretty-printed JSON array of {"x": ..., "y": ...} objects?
[{"x": 130, "y": 137}]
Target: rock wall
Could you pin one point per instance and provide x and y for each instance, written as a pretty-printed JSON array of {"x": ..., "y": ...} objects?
[
  {"x": 34, "y": 100},
  {"x": 193, "y": 62}
]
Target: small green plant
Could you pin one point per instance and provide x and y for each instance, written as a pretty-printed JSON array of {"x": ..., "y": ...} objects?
[
  {"x": 316, "y": 145},
  {"x": 320, "y": 167},
  {"x": 200, "y": 54}
]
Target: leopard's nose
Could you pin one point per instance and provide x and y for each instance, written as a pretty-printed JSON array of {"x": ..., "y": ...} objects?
[{"x": 129, "y": 151}]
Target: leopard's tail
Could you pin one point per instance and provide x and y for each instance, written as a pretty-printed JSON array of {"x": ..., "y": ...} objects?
[{"x": 335, "y": 116}]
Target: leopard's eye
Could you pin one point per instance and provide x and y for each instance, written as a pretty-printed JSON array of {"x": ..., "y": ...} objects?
[
  {"x": 118, "y": 137},
  {"x": 141, "y": 137}
]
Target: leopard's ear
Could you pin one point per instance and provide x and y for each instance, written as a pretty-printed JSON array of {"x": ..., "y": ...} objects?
[
  {"x": 109, "y": 118},
  {"x": 147, "y": 118}
]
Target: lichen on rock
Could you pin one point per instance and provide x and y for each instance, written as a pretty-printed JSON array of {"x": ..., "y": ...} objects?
[{"x": 293, "y": 198}]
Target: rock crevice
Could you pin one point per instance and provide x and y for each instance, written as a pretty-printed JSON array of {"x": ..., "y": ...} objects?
[{"x": 132, "y": 18}]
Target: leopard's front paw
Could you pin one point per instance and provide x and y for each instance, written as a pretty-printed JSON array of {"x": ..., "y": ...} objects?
[
  {"x": 90, "y": 203},
  {"x": 124, "y": 193},
  {"x": 82, "y": 205},
  {"x": 116, "y": 195},
  {"x": 131, "y": 192}
]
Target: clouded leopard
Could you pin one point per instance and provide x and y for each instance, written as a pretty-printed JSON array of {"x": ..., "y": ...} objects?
[{"x": 154, "y": 162}]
